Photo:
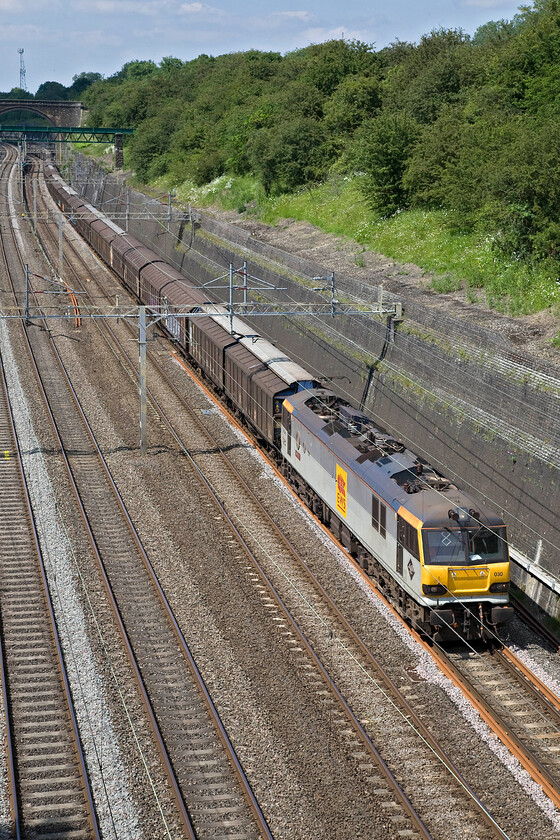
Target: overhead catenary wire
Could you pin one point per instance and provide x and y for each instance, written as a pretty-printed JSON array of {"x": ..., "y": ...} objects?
[
  {"x": 464, "y": 372},
  {"x": 439, "y": 397},
  {"x": 321, "y": 375},
  {"x": 157, "y": 220},
  {"x": 345, "y": 339},
  {"x": 466, "y": 607}
]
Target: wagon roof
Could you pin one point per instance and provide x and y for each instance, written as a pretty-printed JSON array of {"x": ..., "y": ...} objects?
[
  {"x": 139, "y": 256},
  {"x": 288, "y": 370},
  {"x": 101, "y": 227},
  {"x": 214, "y": 331},
  {"x": 256, "y": 370},
  {"x": 124, "y": 242},
  {"x": 102, "y": 217}
]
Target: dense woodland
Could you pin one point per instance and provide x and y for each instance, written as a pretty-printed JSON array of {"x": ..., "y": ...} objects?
[
  {"x": 470, "y": 125},
  {"x": 54, "y": 90}
]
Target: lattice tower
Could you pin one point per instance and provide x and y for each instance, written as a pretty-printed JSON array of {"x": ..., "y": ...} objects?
[{"x": 22, "y": 83}]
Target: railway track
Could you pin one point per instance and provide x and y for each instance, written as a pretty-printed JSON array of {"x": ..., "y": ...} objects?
[
  {"x": 518, "y": 707},
  {"x": 533, "y": 622},
  {"x": 50, "y": 793},
  {"x": 320, "y": 639},
  {"x": 211, "y": 790}
]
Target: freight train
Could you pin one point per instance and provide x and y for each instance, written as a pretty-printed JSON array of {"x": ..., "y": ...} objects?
[{"x": 439, "y": 555}]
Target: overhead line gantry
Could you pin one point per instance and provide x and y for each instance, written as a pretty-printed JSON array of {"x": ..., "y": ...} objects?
[{"x": 66, "y": 134}]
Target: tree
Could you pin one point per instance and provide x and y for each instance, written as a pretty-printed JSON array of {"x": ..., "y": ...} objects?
[
  {"x": 329, "y": 63},
  {"x": 19, "y": 93},
  {"x": 356, "y": 99},
  {"x": 432, "y": 75},
  {"x": 81, "y": 82},
  {"x": 493, "y": 33},
  {"x": 526, "y": 187},
  {"x": 150, "y": 149},
  {"x": 169, "y": 64},
  {"x": 136, "y": 70},
  {"x": 51, "y": 90},
  {"x": 430, "y": 171},
  {"x": 289, "y": 155},
  {"x": 381, "y": 150}
]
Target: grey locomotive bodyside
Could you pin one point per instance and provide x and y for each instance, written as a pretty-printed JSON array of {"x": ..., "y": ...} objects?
[{"x": 365, "y": 479}]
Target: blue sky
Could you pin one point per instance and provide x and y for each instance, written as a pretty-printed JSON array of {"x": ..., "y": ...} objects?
[{"x": 65, "y": 37}]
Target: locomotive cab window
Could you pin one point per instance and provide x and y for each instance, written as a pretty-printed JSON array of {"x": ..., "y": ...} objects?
[
  {"x": 379, "y": 516},
  {"x": 407, "y": 536},
  {"x": 465, "y": 546}
]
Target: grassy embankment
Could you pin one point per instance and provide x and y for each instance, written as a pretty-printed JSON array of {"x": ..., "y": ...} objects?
[{"x": 455, "y": 260}]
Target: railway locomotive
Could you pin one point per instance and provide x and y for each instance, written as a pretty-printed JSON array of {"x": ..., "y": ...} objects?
[{"x": 439, "y": 555}]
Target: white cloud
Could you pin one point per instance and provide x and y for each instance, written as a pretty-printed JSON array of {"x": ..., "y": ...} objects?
[
  {"x": 201, "y": 10},
  {"x": 94, "y": 38},
  {"x": 22, "y": 34},
  {"x": 150, "y": 8},
  {"x": 23, "y": 6},
  {"x": 487, "y": 4},
  {"x": 317, "y": 35},
  {"x": 306, "y": 17}
]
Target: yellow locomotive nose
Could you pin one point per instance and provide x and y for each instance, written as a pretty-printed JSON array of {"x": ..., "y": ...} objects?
[
  {"x": 465, "y": 580},
  {"x": 468, "y": 579}
]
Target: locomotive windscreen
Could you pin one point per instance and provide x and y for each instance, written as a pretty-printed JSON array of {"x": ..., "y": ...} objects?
[{"x": 464, "y": 546}]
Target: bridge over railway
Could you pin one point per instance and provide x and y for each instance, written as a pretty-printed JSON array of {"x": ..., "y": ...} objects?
[
  {"x": 65, "y": 119},
  {"x": 64, "y": 134},
  {"x": 57, "y": 112}
]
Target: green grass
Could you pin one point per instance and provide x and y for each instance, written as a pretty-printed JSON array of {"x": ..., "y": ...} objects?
[
  {"x": 230, "y": 193},
  {"x": 425, "y": 238},
  {"x": 96, "y": 150},
  {"x": 457, "y": 260}
]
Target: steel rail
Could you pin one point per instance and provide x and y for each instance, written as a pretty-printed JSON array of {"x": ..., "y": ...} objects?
[
  {"x": 370, "y": 659},
  {"x": 162, "y": 750},
  {"x": 407, "y": 709},
  {"x": 372, "y": 749},
  {"x": 351, "y": 717},
  {"x": 532, "y": 765},
  {"x": 160, "y": 743},
  {"x": 185, "y": 818},
  {"x": 533, "y": 622},
  {"x": 84, "y": 776},
  {"x": 11, "y": 764},
  {"x": 536, "y": 685},
  {"x": 224, "y": 738},
  {"x": 94, "y": 826}
]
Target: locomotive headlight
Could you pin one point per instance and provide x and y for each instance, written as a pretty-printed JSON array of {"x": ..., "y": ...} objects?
[
  {"x": 499, "y": 587},
  {"x": 433, "y": 589}
]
